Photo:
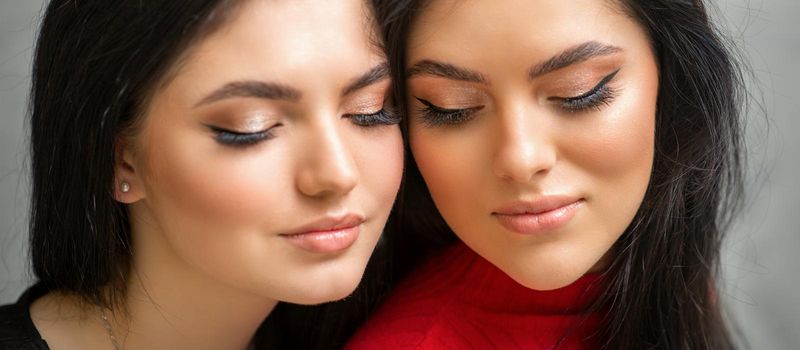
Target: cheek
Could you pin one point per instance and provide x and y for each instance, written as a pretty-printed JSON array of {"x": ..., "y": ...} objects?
[
  {"x": 437, "y": 160},
  {"x": 615, "y": 147},
  {"x": 193, "y": 180},
  {"x": 453, "y": 167},
  {"x": 613, "y": 153},
  {"x": 379, "y": 155}
]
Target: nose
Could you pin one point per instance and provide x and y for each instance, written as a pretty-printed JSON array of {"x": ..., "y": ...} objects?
[
  {"x": 327, "y": 165},
  {"x": 523, "y": 149}
]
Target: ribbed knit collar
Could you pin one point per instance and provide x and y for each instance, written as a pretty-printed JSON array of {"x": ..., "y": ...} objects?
[{"x": 484, "y": 285}]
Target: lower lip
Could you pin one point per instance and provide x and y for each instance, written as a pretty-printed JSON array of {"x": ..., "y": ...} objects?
[
  {"x": 529, "y": 224},
  {"x": 325, "y": 241}
]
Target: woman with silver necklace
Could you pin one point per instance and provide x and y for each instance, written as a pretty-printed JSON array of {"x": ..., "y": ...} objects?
[{"x": 196, "y": 164}]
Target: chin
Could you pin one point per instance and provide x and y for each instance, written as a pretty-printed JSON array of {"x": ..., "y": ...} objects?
[
  {"x": 546, "y": 284},
  {"x": 544, "y": 279},
  {"x": 331, "y": 287},
  {"x": 315, "y": 296}
]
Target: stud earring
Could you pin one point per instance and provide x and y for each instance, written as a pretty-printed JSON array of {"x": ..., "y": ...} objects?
[{"x": 125, "y": 187}]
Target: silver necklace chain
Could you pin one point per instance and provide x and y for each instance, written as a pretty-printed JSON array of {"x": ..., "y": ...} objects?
[{"x": 109, "y": 329}]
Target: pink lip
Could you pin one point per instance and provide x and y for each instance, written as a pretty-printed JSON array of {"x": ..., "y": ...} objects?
[
  {"x": 545, "y": 214},
  {"x": 328, "y": 235}
]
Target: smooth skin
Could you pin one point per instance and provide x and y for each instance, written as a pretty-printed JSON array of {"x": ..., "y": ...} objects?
[
  {"x": 529, "y": 131},
  {"x": 209, "y": 217}
]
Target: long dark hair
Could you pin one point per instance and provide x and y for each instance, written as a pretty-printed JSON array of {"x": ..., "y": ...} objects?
[
  {"x": 662, "y": 292},
  {"x": 96, "y": 65}
]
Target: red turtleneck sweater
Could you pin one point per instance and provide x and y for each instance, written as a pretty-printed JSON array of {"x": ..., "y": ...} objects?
[{"x": 458, "y": 300}]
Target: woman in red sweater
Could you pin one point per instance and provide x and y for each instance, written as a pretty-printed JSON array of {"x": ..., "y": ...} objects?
[{"x": 586, "y": 157}]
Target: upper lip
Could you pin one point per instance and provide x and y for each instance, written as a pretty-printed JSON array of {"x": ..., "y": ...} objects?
[
  {"x": 329, "y": 223},
  {"x": 540, "y": 205}
]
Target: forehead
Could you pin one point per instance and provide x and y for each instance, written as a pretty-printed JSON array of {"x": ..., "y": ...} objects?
[
  {"x": 465, "y": 28},
  {"x": 274, "y": 39}
]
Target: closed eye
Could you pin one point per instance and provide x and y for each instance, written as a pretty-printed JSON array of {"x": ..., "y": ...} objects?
[
  {"x": 242, "y": 139},
  {"x": 433, "y": 115},
  {"x": 386, "y": 116},
  {"x": 600, "y": 95}
]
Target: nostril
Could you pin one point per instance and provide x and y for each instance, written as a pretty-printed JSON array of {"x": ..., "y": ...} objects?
[
  {"x": 521, "y": 162},
  {"x": 328, "y": 177}
]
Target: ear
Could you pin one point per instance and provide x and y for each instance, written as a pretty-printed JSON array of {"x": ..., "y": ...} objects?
[{"x": 128, "y": 187}]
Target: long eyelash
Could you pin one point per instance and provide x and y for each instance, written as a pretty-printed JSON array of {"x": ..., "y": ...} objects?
[
  {"x": 433, "y": 115},
  {"x": 386, "y": 116},
  {"x": 596, "y": 98},
  {"x": 239, "y": 139}
]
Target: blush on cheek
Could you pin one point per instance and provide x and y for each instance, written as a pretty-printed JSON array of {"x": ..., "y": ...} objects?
[
  {"x": 438, "y": 168},
  {"x": 619, "y": 149},
  {"x": 380, "y": 162},
  {"x": 452, "y": 161},
  {"x": 190, "y": 179},
  {"x": 619, "y": 142}
]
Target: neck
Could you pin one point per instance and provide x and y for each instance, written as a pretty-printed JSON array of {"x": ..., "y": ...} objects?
[
  {"x": 180, "y": 315},
  {"x": 171, "y": 305}
]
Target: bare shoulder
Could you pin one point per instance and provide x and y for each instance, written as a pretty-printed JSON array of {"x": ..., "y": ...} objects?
[{"x": 62, "y": 320}]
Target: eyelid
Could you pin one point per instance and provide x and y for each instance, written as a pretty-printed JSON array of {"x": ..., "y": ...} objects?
[
  {"x": 241, "y": 139},
  {"x": 385, "y": 116},
  {"x": 218, "y": 129},
  {"x": 435, "y": 116},
  {"x": 591, "y": 91},
  {"x": 366, "y": 108},
  {"x": 440, "y": 109}
]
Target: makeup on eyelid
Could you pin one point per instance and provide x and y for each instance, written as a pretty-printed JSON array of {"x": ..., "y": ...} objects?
[
  {"x": 234, "y": 137},
  {"x": 569, "y": 83},
  {"x": 365, "y": 106},
  {"x": 368, "y": 111},
  {"x": 368, "y": 101},
  {"x": 240, "y": 116},
  {"x": 593, "y": 98},
  {"x": 446, "y": 94},
  {"x": 575, "y": 85}
]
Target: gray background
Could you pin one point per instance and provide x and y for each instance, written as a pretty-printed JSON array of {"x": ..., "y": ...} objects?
[{"x": 761, "y": 284}]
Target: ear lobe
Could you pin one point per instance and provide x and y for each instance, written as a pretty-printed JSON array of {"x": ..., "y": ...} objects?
[{"x": 128, "y": 187}]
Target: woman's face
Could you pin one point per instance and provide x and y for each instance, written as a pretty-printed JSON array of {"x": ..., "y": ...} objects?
[
  {"x": 267, "y": 163},
  {"x": 533, "y": 125}
]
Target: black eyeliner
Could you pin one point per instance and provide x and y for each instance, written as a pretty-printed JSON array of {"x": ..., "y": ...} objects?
[
  {"x": 385, "y": 116},
  {"x": 239, "y": 139},
  {"x": 596, "y": 88},
  {"x": 601, "y": 94},
  {"x": 433, "y": 115}
]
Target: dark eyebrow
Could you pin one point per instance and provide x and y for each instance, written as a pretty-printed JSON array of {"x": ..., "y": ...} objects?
[
  {"x": 374, "y": 75},
  {"x": 445, "y": 70},
  {"x": 252, "y": 88},
  {"x": 573, "y": 55}
]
